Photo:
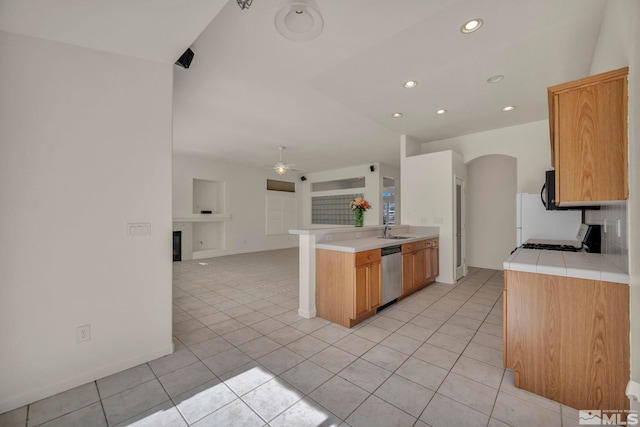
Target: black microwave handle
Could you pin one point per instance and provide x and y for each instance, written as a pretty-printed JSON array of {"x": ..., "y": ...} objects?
[{"x": 541, "y": 196}]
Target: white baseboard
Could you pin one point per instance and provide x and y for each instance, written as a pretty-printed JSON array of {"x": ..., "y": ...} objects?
[
  {"x": 13, "y": 402},
  {"x": 306, "y": 313}
]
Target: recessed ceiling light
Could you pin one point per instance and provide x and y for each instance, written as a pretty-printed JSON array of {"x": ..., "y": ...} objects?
[
  {"x": 509, "y": 108},
  {"x": 410, "y": 84},
  {"x": 396, "y": 115},
  {"x": 299, "y": 20},
  {"x": 441, "y": 112},
  {"x": 495, "y": 79},
  {"x": 471, "y": 26}
]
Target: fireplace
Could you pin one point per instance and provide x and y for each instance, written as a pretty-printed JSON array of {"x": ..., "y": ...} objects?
[{"x": 177, "y": 246}]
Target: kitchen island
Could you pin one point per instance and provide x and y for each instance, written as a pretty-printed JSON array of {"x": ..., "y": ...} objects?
[
  {"x": 344, "y": 239},
  {"x": 566, "y": 327},
  {"x": 579, "y": 265}
]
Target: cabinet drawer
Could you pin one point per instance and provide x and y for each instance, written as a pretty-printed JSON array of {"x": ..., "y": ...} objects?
[
  {"x": 414, "y": 246},
  {"x": 367, "y": 256}
]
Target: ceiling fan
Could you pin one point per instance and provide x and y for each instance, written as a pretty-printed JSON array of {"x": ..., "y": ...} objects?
[{"x": 281, "y": 167}]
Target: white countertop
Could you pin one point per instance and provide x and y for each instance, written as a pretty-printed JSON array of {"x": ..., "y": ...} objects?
[
  {"x": 368, "y": 243},
  {"x": 581, "y": 265}
]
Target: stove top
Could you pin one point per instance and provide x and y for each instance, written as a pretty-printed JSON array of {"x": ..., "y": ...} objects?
[{"x": 551, "y": 247}]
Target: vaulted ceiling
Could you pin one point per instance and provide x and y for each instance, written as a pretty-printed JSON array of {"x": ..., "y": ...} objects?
[{"x": 330, "y": 100}]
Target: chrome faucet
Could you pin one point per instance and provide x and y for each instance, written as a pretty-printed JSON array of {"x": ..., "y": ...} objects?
[{"x": 386, "y": 228}]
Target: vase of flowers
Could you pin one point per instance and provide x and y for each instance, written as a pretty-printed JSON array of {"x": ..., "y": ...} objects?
[{"x": 358, "y": 206}]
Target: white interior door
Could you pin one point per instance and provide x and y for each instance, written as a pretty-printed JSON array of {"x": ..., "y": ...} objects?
[{"x": 459, "y": 229}]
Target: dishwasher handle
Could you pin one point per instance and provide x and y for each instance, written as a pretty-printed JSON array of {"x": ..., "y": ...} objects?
[{"x": 390, "y": 250}]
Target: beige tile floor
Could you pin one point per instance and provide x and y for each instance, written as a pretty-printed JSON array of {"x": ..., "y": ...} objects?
[{"x": 243, "y": 357}]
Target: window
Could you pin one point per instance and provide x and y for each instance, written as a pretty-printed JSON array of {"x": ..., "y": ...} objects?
[
  {"x": 389, "y": 201},
  {"x": 340, "y": 184},
  {"x": 286, "y": 186},
  {"x": 333, "y": 209}
]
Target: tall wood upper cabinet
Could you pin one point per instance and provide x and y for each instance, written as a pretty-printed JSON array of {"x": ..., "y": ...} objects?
[{"x": 588, "y": 123}]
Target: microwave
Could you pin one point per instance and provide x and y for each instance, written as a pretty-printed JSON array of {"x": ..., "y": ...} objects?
[{"x": 548, "y": 194}]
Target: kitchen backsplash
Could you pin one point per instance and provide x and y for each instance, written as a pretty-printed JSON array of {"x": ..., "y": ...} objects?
[{"x": 614, "y": 244}]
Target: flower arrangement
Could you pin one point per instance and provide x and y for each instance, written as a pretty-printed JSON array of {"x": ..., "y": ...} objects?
[{"x": 359, "y": 204}]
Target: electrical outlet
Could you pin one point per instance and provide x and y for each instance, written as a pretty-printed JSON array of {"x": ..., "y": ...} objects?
[{"x": 83, "y": 333}]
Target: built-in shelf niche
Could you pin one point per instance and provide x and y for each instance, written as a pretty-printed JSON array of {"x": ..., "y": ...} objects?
[
  {"x": 208, "y": 236},
  {"x": 208, "y": 196}
]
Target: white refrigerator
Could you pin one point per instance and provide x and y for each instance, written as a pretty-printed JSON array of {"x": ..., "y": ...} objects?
[{"x": 535, "y": 222}]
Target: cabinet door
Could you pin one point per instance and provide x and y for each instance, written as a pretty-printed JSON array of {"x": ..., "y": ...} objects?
[
  {"x": 361, "y": 290},
  {"x": 592, "y": 164},
  {"x": 368, "y": 289},
  {"x": 375, "y": 285},
  {"x": 588, "y": 119},
  {"x": 419, "y": 267},
  {"x": 407, "y": 272},
  {"x": 428, "y": 273},
  {"x": 434, "y": 259}
]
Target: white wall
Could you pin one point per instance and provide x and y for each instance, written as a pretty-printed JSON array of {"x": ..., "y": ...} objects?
[
  {"x": 85, "y": 148},
  {"x": 490, "y": 210},
  {"x": 245, "y": 200},
  {"x": 617, "y": 47},
  {"x": 528, "y": 143},
  {"x": 428, "y": 190}
]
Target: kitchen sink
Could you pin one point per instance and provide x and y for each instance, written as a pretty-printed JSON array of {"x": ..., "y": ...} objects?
[{"x": 394, "y": 237}]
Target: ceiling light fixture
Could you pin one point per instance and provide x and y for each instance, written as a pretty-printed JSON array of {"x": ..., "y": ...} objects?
[
  {"x": 441, "y": 111},
  {"x": 471, "y": 26},
  {"x": 299, "y": 20},
  {"x": 396, "y": 115},
  {"x": 281, "y": 167},
  {"x": 244, "y": 4},
  {"x": 410, "y": 84},
  {"x": 509, "y": 108},
  {"x": 495, "y": 79}
]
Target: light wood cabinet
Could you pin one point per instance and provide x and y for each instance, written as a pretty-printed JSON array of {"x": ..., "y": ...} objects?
[
  {"x": 419, "y": 264},
  {"x": 588, "y": 124},
  {"x": 348, "y": 285},
  {"x": 368, "y": 288},
  {"x": 414, "y": 265},
  {"x": 567, "y": 339},
  {"x": 433, "y": 259}
]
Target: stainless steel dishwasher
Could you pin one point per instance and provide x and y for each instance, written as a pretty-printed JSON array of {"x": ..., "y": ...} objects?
[{"x": 391, "y": 273}]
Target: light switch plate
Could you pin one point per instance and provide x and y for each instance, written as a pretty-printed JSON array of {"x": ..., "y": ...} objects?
[{"x": 139, "y": 229}]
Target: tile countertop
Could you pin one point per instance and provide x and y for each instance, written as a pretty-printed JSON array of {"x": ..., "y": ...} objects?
[
  {"x": 368, "y": 243},
  {"x": 580, "y": 265}
]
